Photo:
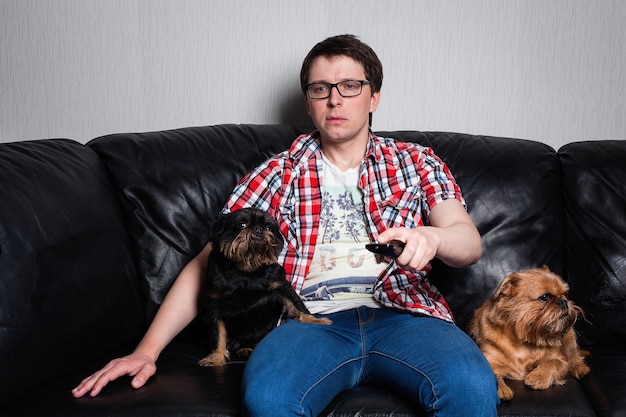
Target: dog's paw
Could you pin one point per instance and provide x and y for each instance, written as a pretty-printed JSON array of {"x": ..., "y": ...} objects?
[
  {"x": 324, "y": 321},
  {"x": 540, "y": 378},
  {"x": 505, "y": 393},
  {"x": 580, "y": 369},
  {"x": 308, "y": 318},
  {"x": 214, "y": 359},
  {"x": 244, "y": 353}
]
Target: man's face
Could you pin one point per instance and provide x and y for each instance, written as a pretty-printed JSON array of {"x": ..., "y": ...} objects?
[{"x": 341, "y": 119}]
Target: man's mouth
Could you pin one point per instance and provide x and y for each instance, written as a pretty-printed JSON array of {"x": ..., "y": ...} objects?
[{"x": 335, "y": 119}]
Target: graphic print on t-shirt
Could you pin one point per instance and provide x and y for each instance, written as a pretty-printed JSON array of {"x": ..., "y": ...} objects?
[
  {"x": 342, "y": 269},
  {"x": 341, "y": 216}
]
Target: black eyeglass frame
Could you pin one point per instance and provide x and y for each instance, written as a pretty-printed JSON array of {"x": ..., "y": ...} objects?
[{"x": 336, "y": 86}]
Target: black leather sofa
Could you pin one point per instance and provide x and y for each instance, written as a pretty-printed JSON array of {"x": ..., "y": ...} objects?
[{"x": 91, "y": 237}]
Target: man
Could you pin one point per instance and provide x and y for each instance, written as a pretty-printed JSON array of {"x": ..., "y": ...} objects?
[{"x": 331, "y": 192}]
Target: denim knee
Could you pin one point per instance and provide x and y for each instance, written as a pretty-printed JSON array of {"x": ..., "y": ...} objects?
[
  {"x": 263, "y": 401},
  {"x": 474, "y": 388}
]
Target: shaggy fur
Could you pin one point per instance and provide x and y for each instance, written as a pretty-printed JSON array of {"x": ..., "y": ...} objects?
[
  {"x": 525, "y": 330},
  {"x": 245, "y": 292}
]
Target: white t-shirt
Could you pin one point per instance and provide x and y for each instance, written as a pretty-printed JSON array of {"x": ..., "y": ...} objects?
[{"x": 342, "y": 272}]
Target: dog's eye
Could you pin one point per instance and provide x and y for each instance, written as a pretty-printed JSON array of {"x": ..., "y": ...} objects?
[
  {"x": 546, "y": 297},
  {"x": 243, "y": 225},
  {"x": 268, "y": 227}
]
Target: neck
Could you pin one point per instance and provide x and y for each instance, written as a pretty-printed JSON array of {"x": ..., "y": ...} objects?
[
  {"x": 343, "y": 160},
  {"x": 345, "y": 155}
]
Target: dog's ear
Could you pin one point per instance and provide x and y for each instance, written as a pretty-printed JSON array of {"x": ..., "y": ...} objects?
[
  {"x": 507, "y": 287},
  {"x": 275, "y": 229},
  {"x": 219, "y": 227}
]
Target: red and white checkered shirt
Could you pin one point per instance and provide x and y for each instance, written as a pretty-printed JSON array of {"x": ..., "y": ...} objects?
[{"x": 400, "y": 182}]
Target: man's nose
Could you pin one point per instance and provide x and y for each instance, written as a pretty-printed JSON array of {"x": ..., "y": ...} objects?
[{"x": 334, "y": 96}]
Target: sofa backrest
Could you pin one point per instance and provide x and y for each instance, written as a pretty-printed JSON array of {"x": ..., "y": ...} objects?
[
  {"x": 594, "y": 189},
  {"x": 174, "y": 183},
  {"x": 512, "y": 189},
  {"x": 68, "y": 291}
]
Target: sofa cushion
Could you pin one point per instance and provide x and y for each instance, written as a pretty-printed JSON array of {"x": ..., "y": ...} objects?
[
  {"x": 180, "y": 388},
  {"x": 594, "y": 189},
  {"x": 175, "y": 182},
  {"x": 605, "y": 384},
  {"x": 67, "y": 293}
]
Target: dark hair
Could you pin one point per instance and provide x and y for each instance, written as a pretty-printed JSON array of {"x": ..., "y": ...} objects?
[{"x": 350, "y": 46}]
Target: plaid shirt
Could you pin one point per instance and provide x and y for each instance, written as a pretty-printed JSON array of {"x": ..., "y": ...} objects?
[{"x": 400, "y": 182}]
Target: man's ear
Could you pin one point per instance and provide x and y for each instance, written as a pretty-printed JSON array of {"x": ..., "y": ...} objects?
[{"x": 374, "y": 101}]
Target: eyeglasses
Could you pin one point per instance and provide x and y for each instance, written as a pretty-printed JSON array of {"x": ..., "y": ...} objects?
[{"x": 348, "y": 88}]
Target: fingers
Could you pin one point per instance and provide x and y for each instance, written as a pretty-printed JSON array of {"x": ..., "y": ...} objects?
[
  {"x": 144, "y": 373},
  {"x": 394, "y": 233},
  {"x": 414, "y": 259},
  {"x": 141, "y": 370},
  {"x": 88, "y": 385},
  {"x": 419, "y": 246},
  {"x": 95, "y": 382}
]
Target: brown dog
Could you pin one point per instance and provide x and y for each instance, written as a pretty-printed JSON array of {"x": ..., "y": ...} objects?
[{"x": 525, "y": 330}]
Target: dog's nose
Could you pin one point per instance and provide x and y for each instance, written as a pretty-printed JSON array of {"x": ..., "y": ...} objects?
[
  {"x": 258, "y": 232},
  {"x": 563, "y": 304}
]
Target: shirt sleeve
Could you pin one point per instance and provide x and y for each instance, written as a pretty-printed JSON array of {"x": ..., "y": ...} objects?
[
  {"x": 258, "y": 188},
  {"x": 437, "y": 182}
]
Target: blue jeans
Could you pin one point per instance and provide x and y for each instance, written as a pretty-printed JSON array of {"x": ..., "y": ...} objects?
[{"x": 299, "y": 368}]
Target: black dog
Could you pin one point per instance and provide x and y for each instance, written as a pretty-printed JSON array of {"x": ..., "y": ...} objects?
[{"x": 245, "y": 291}]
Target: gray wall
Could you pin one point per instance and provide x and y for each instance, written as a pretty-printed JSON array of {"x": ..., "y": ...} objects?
[{"x": 552, "y": 71}]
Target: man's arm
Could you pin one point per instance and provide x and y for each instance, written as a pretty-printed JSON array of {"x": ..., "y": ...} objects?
[
  {"x": 452, "y": 237},
  {"x": 177, "y": 310}
]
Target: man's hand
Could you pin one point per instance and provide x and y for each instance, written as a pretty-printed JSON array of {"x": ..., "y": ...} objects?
[
  {"x": 451, "y": 237},
  {"x": 420, "y": 246},
  {"x": 141, "y": 367}
]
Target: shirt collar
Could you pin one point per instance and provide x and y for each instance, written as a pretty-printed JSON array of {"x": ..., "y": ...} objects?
[
  {"x": 305, "y": 147},
  {"x": 308, "y": 146},
  {"x": 375, "y": 149}
]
